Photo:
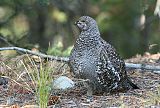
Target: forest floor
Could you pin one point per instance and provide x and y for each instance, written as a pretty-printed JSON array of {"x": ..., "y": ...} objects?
[{"x": 14, "y": 95}]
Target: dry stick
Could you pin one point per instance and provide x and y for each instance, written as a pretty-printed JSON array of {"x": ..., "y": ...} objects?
[
  {"x": 155, "y": 69},
  {"x": 50, "y": 57}
]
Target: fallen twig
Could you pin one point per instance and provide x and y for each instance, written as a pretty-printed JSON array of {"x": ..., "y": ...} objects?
[
  {"x": 155, "y": 69},
  {"x": 49, "y": 57}
]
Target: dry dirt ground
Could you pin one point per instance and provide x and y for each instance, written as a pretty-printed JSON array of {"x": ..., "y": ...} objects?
[{"x": 14, "y": 95}]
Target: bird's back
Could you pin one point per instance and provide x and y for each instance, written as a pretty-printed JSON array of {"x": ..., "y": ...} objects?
[{"x": 111, "y": 67}]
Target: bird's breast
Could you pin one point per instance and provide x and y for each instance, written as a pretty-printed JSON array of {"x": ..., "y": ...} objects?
[{"x": 83, "y": 64}]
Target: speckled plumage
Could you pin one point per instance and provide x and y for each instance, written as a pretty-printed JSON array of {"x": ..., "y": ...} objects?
[{"x": 94, "y": 59}]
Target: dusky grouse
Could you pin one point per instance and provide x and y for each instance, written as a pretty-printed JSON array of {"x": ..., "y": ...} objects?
[{"x": 94, "y": 59}]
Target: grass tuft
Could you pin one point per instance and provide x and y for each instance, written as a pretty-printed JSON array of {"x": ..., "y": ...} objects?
[{"x": 35, "y": 77}]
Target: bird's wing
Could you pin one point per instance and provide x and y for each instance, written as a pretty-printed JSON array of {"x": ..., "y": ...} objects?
[{"x": 110, "y": 67}]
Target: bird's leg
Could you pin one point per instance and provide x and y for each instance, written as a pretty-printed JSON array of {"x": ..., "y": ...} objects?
[
  {"x": 89, "y": 94},
  {"x": 89, "y": 87}
]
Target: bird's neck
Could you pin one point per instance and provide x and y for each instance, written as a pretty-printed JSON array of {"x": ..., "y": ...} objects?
[
  {"x": 90, "y": 34},
  {"x": 88, "y": 39}
]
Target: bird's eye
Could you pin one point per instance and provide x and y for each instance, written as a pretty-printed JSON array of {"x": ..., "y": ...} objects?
[{"x": 82, "y": 21}]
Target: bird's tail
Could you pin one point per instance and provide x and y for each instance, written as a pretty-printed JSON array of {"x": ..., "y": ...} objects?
[{"x": 134, "y": 86}]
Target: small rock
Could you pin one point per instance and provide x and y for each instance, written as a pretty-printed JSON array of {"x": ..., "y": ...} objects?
[{"x": 63, "y": 82}]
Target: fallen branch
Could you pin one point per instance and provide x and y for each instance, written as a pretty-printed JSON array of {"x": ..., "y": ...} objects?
[
  {"x": 155, "y": 69},
  {"x": 49, "y": 57}
]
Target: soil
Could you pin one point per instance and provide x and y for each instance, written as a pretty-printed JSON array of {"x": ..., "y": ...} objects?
[{"x": 14, "y": 95}]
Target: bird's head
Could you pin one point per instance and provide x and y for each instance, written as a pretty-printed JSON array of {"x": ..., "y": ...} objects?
[{"x": 86, "y": 23}]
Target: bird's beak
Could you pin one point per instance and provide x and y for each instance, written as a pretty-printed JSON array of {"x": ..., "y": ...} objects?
[{"x": 76, "y": 23}]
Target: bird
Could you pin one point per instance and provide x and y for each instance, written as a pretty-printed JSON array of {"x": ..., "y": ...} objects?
[{"x": 95, "y": 59}]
